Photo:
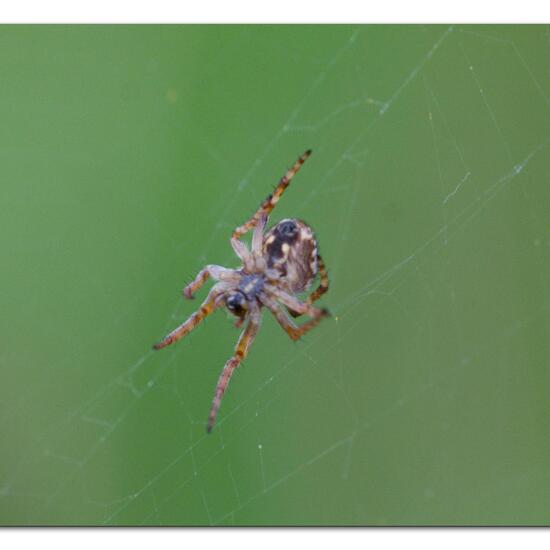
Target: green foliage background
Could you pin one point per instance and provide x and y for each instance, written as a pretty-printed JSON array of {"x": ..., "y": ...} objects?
[{"x": 128, "y": 154}]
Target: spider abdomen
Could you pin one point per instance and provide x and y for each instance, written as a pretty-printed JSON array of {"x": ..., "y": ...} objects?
[{"x": 290, "y": 249}]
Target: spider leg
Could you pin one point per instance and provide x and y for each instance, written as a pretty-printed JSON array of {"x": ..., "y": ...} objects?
[
  {"x": 217, "y": 273},
  {"x": 294, "y": 332},
  {"x": 239, "y": 322},
  {"x": 323, "y": 282},
  {"x": 293, "y": 303},
  {"x": 211, "y": 303},
  {"x": 320, "y": 290},
  {"x": 241, "y": 350},
  {"x": 269, "y": 203},
  {"x": 258, "y": 235},
  {"x": 241, "y": 250}
]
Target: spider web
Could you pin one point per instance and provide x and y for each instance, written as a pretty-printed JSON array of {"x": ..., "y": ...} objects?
[{"x": 422, "y": 400}]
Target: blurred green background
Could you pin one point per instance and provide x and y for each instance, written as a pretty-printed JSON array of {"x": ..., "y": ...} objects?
[{"x": 128, "y": 155}]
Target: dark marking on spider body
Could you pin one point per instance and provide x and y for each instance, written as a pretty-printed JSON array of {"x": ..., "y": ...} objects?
[{"x": 280, "y": 264}]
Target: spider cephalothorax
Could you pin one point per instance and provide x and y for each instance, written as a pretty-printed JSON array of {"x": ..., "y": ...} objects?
[{"x": 280, "y": 264}]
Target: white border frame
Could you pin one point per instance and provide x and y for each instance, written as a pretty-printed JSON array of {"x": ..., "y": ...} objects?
[{"x": 277, "y": 11}]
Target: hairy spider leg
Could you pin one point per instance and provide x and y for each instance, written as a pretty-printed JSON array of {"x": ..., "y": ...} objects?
[
  {"x": 209, "y": 305},
  {"x": 320, "y": 290},
  {"x": 293, "y": 331},
  {"x": 293, "y": 303},
  {"x": 241, "y": 250},
  {"x": 217, "y": 273},
  {"x": 258, "y": 236},
  {"x": 241, "y": 350},
  {"x": 323, "y": 282},
  {"x": 269, "y": 203}
]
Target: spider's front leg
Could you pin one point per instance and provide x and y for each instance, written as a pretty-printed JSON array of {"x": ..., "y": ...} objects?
[
  {"x": 269, "y": 203},
  {"x": 258, "y": 236},
  {"x": 212, "y": 302},
  {"x": 241, "y": 350},
  {"x": 217, "y": 273}
]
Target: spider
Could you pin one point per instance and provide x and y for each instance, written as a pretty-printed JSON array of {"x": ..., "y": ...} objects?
[{"x": 281, "y": 263}]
